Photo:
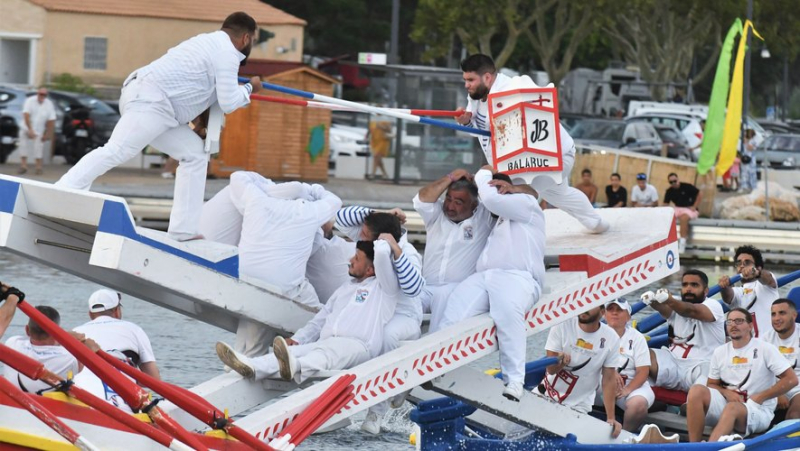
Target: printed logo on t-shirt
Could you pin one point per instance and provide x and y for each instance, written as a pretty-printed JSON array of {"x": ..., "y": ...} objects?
[
  {"x": 581, "y": 343},
  {"x": 468, "y": 233},
  {"x": 739, "y": 360},
  {"x": 361, "y": 295},
  {"x": 786, "y": 349}
]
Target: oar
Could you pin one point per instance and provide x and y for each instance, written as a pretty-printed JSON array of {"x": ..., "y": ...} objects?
[
  {"x": 36, "y": 370},
  {"x": 137, "y": 398},
  {"x": 330, "y": 410},
  {"x": 47, "y": 417},
  {"x": 370, "y": 109},
  {"x": 784, "y": 431},
  {"x": 332, "y": 107},
  {"x": 188, "y": 401}
]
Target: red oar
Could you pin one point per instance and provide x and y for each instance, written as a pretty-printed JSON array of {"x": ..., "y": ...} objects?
[
  {"x": 330, "y": 410},
  {"x": 332, "y": 107},
  {"x": 137, "y": 398},
  {"x": 188, "y": 401},
  {"x": 45, "y": 415},
  {"x": 36, "y": 370}
]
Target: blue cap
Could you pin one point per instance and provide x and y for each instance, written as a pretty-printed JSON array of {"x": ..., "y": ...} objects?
[{"x": 641, "y": 176}]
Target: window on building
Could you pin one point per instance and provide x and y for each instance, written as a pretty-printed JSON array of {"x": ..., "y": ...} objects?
[{"x": 94, "y": 53}]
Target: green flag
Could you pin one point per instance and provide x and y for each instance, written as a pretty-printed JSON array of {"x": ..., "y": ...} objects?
[{"x": 715, "y": 121}]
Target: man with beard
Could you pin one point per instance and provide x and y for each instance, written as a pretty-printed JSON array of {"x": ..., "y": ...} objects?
[
  {"x": 347, "y": 331},
  {"x": 587, "y": 351},
  {"x": 456, "y": 229},
  {"x": 741, "y": 389},
  {"x": 634, "y": 394},
  {"x": 785, "y": 335},
  {"x": 759, "y": 287},
  {"x": 481, "y": 79},
  {"x": 157, "y": 103},
  {"x": 697, "y": 327}
]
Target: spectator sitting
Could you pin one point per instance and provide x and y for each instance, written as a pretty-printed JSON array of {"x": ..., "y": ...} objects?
[
  {"x": 586, "y": 186},
  {"x": 785, "y": 335},
  {"x": 685, "y": 198},
  {"x": 759, "y": 288},
  {"x": 643, "y": 194},
  {"x": 616, "y": 194}
]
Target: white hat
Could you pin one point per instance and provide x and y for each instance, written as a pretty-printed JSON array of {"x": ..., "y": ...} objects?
[
  {"x": 102, "y": 300},
  {"x": 622, "y": 303}
]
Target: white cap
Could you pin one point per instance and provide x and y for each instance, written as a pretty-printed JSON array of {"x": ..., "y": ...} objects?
[
  {"x": 622, "y": 303},
  {"x": 102, "y": 300}
]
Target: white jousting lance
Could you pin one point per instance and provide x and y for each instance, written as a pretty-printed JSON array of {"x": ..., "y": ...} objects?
[{"x": 370, "y": 109}]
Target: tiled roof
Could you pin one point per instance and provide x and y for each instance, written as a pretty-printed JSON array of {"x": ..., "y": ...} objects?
[{"x": 203, "y": 10}]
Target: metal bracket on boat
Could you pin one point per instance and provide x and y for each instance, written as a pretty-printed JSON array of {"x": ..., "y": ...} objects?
[{"x": 63, "y": 246}]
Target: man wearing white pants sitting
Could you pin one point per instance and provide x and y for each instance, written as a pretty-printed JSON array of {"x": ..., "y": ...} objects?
[
  {"x": 157, "y": 103},
  {"x": 347, "y": 331},
  {"x": 510, "y": 274}
]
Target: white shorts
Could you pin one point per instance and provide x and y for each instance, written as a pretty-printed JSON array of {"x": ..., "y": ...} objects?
[
  {"x": 758, "y": 416},
  {"x": 679, "y": 374},
  {"x": 31, "y": 147},
  {"x": 644, "y": 391},
  {"x": 791, "y": 393}
]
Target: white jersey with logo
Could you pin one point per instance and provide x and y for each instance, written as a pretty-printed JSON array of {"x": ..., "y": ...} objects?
[
  {"x": 695, "y": 339},
  {"x": 113, "y": 334},
  {"x": 576, "y": 384},
  {"x": 756, "y": 298},
  {"x": 789, "y": 348},
  {"x": 451, "y": 249},
  {"x": 55, "y": 358},
  {"x": 748, "y": 370},
  {"x": 633, "y": 353}
]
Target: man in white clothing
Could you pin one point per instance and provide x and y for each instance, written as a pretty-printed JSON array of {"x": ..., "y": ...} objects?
[
  {"x": 697, "y": 327},
  {"x": 510, "y": 274},
  {"x": 741, "y": 389},
  {"x": 785, "y": 335},
  {"x": 643, "y": 194},
  {"x": 347, "y": 331},
  {"x": 112, "y": 333},
  {"x": 36, "y": 132},
  {"x": 457, "y": 229},
  {"x": 588, "y": 358},
  {"x": 634, "y": 394},
  {"x": 328, "y": 265},
  {"x": 759, "y": 287},
  {"x": 481, "y": 79},
  {"x": 276, "y": 242},
  {"x": 157, "y": 103}
]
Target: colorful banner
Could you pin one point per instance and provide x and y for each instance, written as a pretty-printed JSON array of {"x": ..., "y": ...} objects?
[
  {"x": 733, "y": 119},
  {"x": 712, "y": 136}
]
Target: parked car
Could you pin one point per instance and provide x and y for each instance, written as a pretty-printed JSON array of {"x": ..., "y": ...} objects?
[
  {"x": 689, "y": 126},
  {"x": 86, "y": 122},
  {"x": 782, "y": 151},
  {"x": 677, "y": 145},
  {"x": 570, "y": 120},
  {"x": 639, "y": 137},
  {"x": 11, "y": 103}
]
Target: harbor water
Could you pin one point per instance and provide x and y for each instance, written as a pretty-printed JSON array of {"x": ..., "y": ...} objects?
[{"x": 184, "y": 348}]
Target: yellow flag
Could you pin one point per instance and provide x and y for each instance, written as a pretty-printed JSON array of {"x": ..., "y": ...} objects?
[{"x": 733, "y": 118}]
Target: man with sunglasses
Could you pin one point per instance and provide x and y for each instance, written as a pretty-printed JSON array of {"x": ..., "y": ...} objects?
[
  {"x": 685, "y": 198},
  {"x": 696, "y": 325},
  {"x": 759, "y": 287},
  {"x": 740, "y": 395}
]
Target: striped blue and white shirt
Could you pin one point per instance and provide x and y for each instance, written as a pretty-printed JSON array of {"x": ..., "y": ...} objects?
[{"x": 198, "y": 72}]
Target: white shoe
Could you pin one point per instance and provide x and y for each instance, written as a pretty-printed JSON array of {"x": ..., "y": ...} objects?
[
  {"x": 682, "y": 245},
  {"x": 730, "y": 438},
  {"x": 236, "y": 361},
  {"x": 287, "y": 363},
  {"x": 603, "y": 226},
  {"x": 514, "y": 391},
  {"x": 397, "y": 401},
  {"x": 372, "y": 423}
]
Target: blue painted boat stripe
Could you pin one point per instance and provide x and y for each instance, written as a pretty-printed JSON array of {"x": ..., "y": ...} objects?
[
  {"x": 8, "y": 195},
  {"x": 115, "y": 220}
]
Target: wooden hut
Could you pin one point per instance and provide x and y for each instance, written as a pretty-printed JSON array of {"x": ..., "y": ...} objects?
[{"x": 276, "y": 140}]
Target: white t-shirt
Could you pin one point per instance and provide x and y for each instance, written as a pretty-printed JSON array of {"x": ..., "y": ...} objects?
[
  {"x": 116, "y": 334},
  {"x": 634, "y": 353},
  {"x": 40, "y": 113},
  {"x": 757, "y": 299},
  {"x": 589, "y": 354},
  {"x": 55, "y": 358},
  {"x": 789, "y": 348},
  {"x": 748, "y": 370},
  {"x": 646, "y": 197},
  {"x": 695, "y": 339},
  {"x": 452, "y": 250}
]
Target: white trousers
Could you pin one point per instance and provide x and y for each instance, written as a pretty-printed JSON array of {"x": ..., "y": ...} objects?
[
  {"x": 31, "y": 147},
  {"x": 567, "y": 198},
  {"x": 148, "y": 118},
  {"x": 506, "y": 295},
  {"x": 399, "y": 328},
  {"x": 434, "y": 301},
  {"x": 334, "y": 353}
]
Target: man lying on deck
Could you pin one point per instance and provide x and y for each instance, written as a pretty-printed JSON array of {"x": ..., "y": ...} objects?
[{"x": 347, "y": 331}]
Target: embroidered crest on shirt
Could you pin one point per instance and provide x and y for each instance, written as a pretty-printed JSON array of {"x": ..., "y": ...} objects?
[
  {"x": 361, "y": 295},
  {"x": 468, "y": 233}
]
